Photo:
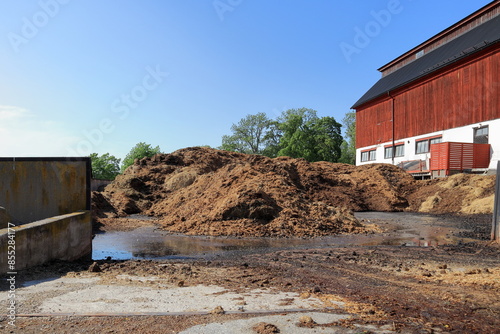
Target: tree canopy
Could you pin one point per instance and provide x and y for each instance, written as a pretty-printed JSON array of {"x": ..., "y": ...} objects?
[
  {"x": 249, "y": 135},
  {"x": 297, "y": 133},
  {"x": 139, "y": 151},
  {"x": 305, "y": 135},
  {"x": 348, "y": 155},
  {"x": 105, "y": 167}
]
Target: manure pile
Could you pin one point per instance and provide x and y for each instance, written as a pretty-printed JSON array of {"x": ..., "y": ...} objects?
[
  {"x": 456, "y": 194},
  {"x": 205, "y": 191}
]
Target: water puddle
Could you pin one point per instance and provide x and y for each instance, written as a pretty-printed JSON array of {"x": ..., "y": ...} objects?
[{"x": 402, "y": 229}]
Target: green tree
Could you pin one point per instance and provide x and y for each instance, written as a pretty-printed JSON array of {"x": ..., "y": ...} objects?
[
  {"x": 249, "y": 135},
  {"x": 305, "y": 135},
  {"x": 139, "y": 151},
  {"x": 272, "y": 140},
  {"x": 348, "y": 155},
  {"x": 105, "y": 167}
]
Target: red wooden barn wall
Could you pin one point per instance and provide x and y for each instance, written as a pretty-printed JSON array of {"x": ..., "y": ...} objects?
[{"x": 465, "y": 94}]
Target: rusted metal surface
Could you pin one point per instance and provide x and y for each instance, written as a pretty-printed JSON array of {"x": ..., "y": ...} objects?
[
  {"x": 39, "y": 188},
  {"x": 47, "y": 202},
  {"x": 67, "y": 237}
]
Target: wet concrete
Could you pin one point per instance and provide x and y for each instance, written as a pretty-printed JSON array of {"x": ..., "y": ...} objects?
[{"x": 400, "y": 229}]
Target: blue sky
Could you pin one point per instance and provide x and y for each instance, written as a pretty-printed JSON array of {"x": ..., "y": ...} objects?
[{"x": 78, "y": 77}]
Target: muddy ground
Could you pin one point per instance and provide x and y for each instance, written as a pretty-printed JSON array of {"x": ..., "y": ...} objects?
[
  {"x": 443, "y": 289},
  {"x": 199, "y": 191}
]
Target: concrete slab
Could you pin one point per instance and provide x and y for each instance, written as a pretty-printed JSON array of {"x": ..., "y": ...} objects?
[
  {"x": 90, "y": 295},
  {"x": 286, "y": 323},
  {"x": 122, "y": 299}
]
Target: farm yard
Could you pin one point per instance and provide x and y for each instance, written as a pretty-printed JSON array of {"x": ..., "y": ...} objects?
[
  {"x": 331, "y": 206},
  {"x": 369, "y": 287}
]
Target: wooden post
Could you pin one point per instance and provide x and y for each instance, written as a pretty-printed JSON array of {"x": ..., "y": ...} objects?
[{"x": 495, "y": 230}]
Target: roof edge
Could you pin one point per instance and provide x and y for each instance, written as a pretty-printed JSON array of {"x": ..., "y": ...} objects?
[
  {"x": 437, "y": 68},
  {"x": 441, "y": 34}
]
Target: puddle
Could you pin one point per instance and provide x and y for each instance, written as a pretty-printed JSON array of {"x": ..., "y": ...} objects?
[
  {"x": 152, "y": 243},
  {"x": 403, "y": 229},
  {"x": 412, "y": 229}
]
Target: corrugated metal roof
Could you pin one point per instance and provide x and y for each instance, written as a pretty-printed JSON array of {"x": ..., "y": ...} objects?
[{"x": 474, "y": 40}]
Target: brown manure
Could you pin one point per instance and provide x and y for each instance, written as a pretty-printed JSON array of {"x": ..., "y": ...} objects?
[{"x": 204, "y": 191}]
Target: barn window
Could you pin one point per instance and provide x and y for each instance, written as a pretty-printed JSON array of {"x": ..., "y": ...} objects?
[
  {"x": 388, "y": 152},
  {"x": 399, "y": 151},
  {"x": 481, "y": 135},
  {"x": 364, "y": 156},
  {"x": 423, "y": 146},
  {"x": 369, "y": 155}
]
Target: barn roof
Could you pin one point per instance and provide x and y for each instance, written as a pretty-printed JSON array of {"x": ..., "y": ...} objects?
[{"x": 470, "y": 42}]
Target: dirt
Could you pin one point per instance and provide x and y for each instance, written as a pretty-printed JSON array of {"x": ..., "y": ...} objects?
[
  {"x": 263, "y": 328},
  {"x": 460, "y": 193},
  {"x": 443, "y": 289},
  {"x": 203, "y": 191},
  {"x": 213, "y": 192}
]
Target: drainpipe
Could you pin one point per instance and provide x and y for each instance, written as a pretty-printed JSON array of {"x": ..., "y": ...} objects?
[{"x": 392, "y": 116}]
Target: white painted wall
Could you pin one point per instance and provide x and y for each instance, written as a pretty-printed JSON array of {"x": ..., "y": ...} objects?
[{"x": 463, "y": 134}]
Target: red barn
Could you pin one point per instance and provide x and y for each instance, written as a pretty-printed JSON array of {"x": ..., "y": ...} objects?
[{"x": 436, "y": 109}]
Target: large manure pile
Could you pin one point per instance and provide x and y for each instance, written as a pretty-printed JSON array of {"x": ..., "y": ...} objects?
[{"x": 212, "y": 192}]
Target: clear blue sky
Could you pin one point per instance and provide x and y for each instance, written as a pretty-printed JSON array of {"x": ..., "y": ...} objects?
[{"x": 82, "y": 76}]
